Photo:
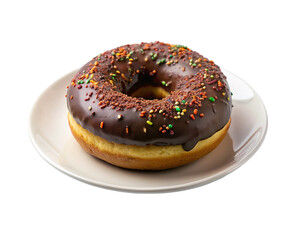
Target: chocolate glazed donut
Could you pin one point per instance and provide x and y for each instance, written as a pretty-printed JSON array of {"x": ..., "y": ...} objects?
[{"x": 150, "y": 94}]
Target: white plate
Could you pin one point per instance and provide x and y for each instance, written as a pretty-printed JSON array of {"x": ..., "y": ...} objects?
[{"x": 50, "y": 134}]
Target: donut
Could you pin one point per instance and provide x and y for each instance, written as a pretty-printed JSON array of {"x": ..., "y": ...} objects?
[{"x": 149, "y": 106}]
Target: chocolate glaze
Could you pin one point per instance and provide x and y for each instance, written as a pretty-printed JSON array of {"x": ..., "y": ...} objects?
[{"x": 98, "y": 96}]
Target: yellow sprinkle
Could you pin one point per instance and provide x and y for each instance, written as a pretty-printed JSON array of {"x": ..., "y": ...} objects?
[
  {"x": 223, "y": 94},
  {"x": 130, "y": 59},
  {"x": 160, "y": 111},
  {"x": 92, "y": 81},
  {"x": 146, "y": 59},
  {"x": 184, "y": 110},
  {"x": 92, "y": 76},
  {"x": 111, "y": 82},
  {"x": 118, "y": 71}
]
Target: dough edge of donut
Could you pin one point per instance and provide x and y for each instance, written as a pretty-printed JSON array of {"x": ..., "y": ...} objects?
[{"x": 150, "y": 157}]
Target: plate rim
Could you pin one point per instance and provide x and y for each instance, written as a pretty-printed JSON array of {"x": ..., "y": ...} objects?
[{"x": 163, "y": 189}]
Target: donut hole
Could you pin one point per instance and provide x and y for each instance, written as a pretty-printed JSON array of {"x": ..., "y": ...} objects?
[{"x": 150, "y": 92}]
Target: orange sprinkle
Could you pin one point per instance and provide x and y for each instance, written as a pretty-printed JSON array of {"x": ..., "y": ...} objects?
[
  {"x": 192, "y": 116},
  {"x": 201, "y": 115},
  {"x": 96, "y": 63},
  {"x": 183, "y": 69},
  {"x": 127, "y": 130},
  {"x": 101, "y": 124},
  {"x": 123, "y": 76},
  {"x": 195, "y": 111},
  {"x": 71, "y": 97}
]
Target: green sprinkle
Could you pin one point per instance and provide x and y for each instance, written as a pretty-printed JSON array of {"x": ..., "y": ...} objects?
[
  {"x": 163, "y": 83},
  {"x": 131, "y": 52},
  {"x": 170, "y": 126},
  {"x": 177, "y": 109},
  {"x": 183, "y": 101},
  {"x": 161, "y": 61},
  {"x": 142, "y": 50},
  {"x": 121, "y": 59},
  {"x": 212, "y": 99},
  {"x": 87, "y": 81},
  {"x": 206, "y": 69},
  {"x": 231, "y": 93},
  {"x": 194, "y": 64},
  {"x": 113, "y": 53},
  {"x": 150, "y": 123},
  {"x": 211, "y": 76},
  {"x": 171, "y": 56}
]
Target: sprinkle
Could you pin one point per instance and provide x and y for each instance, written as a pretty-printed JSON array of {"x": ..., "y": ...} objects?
[
  {"x": 144, "y": 129},
  {"x": 177, "y": 109},
  {"x": 120, "y": 116},
  {"x": 160, "y": 111},
  {"x": 161, "y": 61},
  {"x": 90, "y": 108},
  {"x": 195, "y": 111},
  {"x": 211, "y": 76},
  {"x": 101, "y": 124},
  {"x": 71, "y": 97},
  {"x": 170, "y": 125},
  {"x": 183, "y": 101},
  {"x": 231, "y": 93},
  {"x": 127, "y": 130},
  {"x": 212, "y": 99},
  {"x": 150, "y": 123},
  {"x": 192, "y": 116},
  {"x": 151, "y": 111},
  {"x": 183, "y": 69},
  {"x": 201, "y": 114},
  {"x": 87, "y": 81},
  {"x": 163, "y": 83}
]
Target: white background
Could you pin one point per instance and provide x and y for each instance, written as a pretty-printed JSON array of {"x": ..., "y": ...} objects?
[{"x": 257, "y": 40}]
